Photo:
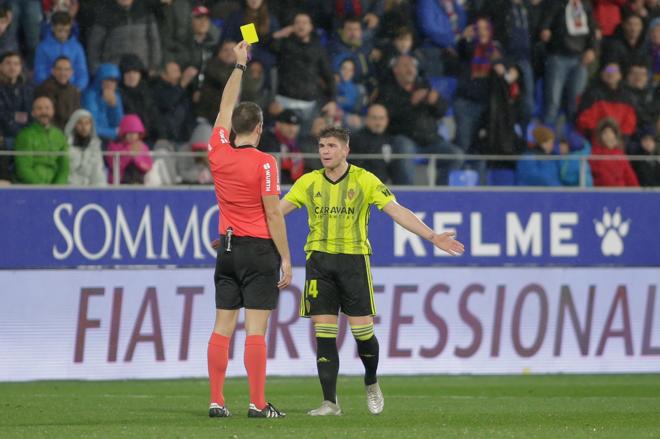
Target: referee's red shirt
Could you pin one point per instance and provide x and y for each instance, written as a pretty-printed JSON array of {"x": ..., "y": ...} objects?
[{"x": 241, "y": 177}]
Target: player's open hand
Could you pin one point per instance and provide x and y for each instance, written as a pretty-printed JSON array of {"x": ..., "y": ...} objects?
[
  {"x": 287, "y": 274},
  {"x": 446, "y": 242},
  {"x": 241, "y": 52}
]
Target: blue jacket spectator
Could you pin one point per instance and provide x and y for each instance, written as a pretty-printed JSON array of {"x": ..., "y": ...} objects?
[
  {"x": 533, "y": 172},
  {"x": 350, "y": 44},
  {"x": 103, "y": 100},
  {"x": 575, "y": 146},
  {"x": 441, "y": 21},
  {"x": 60, "y": 42}
]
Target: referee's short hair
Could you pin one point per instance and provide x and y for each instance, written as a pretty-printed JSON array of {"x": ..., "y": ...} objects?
[
  {"x": 246, "y": 117},
  {"x": 339, "y": 133}
]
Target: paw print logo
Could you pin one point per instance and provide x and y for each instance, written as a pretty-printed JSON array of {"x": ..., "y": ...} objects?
[{"x": 612, "y": 229}]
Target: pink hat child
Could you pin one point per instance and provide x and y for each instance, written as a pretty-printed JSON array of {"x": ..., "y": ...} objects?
[{"x": 131, "y": 132}]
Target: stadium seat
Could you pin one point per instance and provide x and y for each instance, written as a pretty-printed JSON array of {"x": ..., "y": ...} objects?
[
  {"x": 468, "y": 177},
  {"x": 445, "y": 85},
  {"x": 501, "y": 177}
]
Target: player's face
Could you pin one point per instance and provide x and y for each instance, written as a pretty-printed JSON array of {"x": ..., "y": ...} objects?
[{"x": 332, "y": 152}]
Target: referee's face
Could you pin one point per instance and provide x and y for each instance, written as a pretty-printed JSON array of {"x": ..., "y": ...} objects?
[{"x": 332, "y": 152}]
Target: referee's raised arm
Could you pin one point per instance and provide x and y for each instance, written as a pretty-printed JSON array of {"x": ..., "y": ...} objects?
[{"x": 232, "y": 88}]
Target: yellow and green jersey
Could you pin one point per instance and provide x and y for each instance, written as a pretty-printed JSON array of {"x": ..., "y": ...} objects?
[{"x": 339, "y": 211}]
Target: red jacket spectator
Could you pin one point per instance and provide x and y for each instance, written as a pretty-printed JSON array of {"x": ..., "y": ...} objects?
[
  {"x": 607, "y": 14},
  {"x": 607, "y": 98},
  {"x": 608, "y": 141}
]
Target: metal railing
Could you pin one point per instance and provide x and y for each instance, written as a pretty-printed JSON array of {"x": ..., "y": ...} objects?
[{"x": 430, "y": 161}]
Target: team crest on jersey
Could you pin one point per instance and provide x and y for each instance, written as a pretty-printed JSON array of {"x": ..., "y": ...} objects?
[{"x": 350, "y": 194}]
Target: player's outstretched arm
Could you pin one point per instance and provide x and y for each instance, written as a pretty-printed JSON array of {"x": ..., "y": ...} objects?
[
  {"x": 286, "y": 207},
  {"x": 277, "y": 228},
  {"x": 409, "y": 221},
  {"x": 232, "y": 88}
]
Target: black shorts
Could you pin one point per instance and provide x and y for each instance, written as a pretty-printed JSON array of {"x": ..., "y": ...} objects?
[
  {"x": 247, "y": 276},
  {"x": 338, "y": 283}
]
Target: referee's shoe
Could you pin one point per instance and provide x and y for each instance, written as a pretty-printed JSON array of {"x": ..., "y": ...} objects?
[
  {"x": 267, "y": 412},
  {"x": 218, "y": 411}
]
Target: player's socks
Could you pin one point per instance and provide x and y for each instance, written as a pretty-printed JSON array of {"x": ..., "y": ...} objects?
[
  {"x": 217, "y": 357},
  {"x": 327, "y": 359},
  {"x": 367, "y": 345},
  {"x": 255, "y": 365}
]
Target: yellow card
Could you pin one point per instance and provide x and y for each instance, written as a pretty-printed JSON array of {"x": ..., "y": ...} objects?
[{"x": 249, "y": 33}]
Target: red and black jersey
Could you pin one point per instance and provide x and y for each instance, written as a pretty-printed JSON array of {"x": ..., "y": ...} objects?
[{"x": 599, "y": 102}]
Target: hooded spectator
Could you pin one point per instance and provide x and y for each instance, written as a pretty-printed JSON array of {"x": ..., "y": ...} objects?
[
  {"x": 137, "y": 96},
  {"x": 42, "y": 136},
  {"x": 103, "y": 100},
  {"x": 136, "y": 161},
  {"x": 58, "y": 43},
  {"x": 575, "y": 147},
  {"x": 85, "y": 156},
  {"x": 15, "y": 97},
  {"x": 533, "y": 172},
  {"x": 607, "y": 97},
  {"x": 65, "y": 96},
  {"x": 607, "y": 140},
  {"x": 120, "y": 27}
]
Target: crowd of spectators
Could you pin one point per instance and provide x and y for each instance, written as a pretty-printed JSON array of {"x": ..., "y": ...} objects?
[{"x": 567, "y": 78}]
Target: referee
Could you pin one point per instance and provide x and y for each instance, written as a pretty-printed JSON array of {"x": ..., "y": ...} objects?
[
  {"x": 253, "y": 243},
  {"x": 338, "y": 275}
]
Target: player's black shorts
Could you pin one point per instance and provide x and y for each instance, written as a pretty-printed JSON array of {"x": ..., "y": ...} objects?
[
  {"x": 338, "y": 283},
  {"x": 247, "y": 276}
]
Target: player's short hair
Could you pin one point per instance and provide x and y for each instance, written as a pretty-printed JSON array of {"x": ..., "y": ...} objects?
[
  {"x": 4, "y": 11},
  {"x": 339, "y": 133},
  {"x": 60, "y": 18},
  {"x": 246, "y": 117}
]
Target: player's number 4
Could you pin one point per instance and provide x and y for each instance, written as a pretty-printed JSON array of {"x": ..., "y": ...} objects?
[{"x": 312, "y": 289}]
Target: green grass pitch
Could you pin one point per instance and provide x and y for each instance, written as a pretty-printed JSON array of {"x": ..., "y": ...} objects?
[{"x": 612, "y": 406}]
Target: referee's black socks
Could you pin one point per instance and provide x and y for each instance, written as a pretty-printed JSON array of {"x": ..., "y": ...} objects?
[
  {"x": 367, "y": 345},
  {"x": 327, "y": 359}
]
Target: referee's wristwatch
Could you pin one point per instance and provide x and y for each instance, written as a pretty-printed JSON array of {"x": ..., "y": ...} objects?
[{"x": 242, "y": 67}]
